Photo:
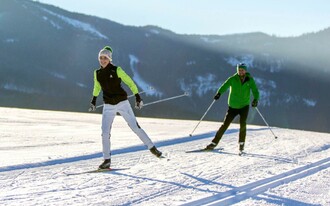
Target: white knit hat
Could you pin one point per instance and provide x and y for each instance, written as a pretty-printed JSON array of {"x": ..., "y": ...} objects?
[{"x": 106, "y": 52}]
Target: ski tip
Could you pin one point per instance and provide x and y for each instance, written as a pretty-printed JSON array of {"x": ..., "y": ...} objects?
[
  {"x": 241, "y": 153},
  {"x": 205, "y": 150},
  {"x": 112, "y": 169},
  {"x": 198, "y": 150},
  {"x": 164, "y": 157}
]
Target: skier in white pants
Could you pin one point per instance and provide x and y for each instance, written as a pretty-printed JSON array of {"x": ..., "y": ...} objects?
[{"x": 108, "y": 79}]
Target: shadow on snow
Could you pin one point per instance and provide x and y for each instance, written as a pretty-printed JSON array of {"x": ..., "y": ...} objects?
[{"x": 118, "y": 151}]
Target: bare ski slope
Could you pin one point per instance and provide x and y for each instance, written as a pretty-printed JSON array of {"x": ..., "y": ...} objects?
[{"x": 39, "y": 149}]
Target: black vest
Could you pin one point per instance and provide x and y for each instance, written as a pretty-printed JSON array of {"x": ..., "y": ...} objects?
[{"x": 113, "y": 93}]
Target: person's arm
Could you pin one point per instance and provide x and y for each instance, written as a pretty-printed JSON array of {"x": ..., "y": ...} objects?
[
  {"x": 127, "y": 80},
  {"x": 255, "y": 93},
  {"x": 97, "y": 86},
  {"x": 225, "y": 86},
  {"x": 132, "y": 86},
  {"x": 96, "y": 92},
  {"x": 254, "y": 89}
]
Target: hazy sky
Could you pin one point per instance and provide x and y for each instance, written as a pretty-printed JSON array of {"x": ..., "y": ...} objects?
[{"x": 278, "y": 17}]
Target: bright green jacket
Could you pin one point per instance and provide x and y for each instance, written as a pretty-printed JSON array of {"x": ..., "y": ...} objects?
[{"x": 239, "y": 94}]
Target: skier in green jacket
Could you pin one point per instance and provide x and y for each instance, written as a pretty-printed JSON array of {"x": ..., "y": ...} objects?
[
  {"x": 108, "y": 78},
  {"x": 241, "y": 84}
]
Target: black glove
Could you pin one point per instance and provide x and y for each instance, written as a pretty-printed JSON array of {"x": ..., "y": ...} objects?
[
  {"x": 92, "y": 104},
  {"x": 138, "y": 101},
  {"x": 217, "y": 96},
  {"x": 254, "y": 103}
]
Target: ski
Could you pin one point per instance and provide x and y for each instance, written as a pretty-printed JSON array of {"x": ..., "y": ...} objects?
[
  {"x": 204, "y": 150},
  {"x": 164, "y": 156},
  {"x": 97, "y": 171},
  {"x": 241, "y": 153}
]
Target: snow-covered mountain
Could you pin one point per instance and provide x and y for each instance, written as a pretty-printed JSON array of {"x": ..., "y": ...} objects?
[
  {"x": 48, "y": 56},
  {"x": 39, "y": 149}
]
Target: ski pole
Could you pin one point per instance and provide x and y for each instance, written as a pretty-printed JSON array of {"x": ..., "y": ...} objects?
[
  {"x": 149, "y": 88},
  {"x": 166, "y": 99},
  {"x": 132, "y": 95},
  {"x": 202, "y": 117},
  {"x": 266, "y": 122}
]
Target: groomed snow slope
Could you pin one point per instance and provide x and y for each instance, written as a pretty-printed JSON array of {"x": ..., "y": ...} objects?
[{"x": 39, "y": 148}]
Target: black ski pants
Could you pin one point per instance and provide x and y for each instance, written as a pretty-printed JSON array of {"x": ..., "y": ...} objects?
[{"x": 231, "y": 114}]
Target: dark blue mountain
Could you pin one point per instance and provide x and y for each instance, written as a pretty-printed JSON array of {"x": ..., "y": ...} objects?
[{"x": 48, "y": 56}]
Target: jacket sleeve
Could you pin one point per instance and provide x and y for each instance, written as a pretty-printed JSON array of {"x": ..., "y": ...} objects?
[
  {"x": 254, "y": 89},
  {"x": 127, "y": 80},
  {"x": 97, "y": 86},
  {"x": 225, "y": 86}
]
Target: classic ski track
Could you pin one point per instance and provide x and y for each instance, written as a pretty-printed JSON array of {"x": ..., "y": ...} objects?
[
  {"x": 164, "y": 190},
  {"x": 246, "y": 191},
  {"x": 140, "y": 158}
]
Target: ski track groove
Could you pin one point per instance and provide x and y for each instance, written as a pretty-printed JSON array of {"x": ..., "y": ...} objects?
[
  {"x": 232, "y": 196},
  {"x": 249, "y": 190}
]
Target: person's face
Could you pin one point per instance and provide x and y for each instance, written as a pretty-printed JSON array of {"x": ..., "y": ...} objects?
[
  {"x": 241, "y": 72},
  {"x": 104, "y": 61}
]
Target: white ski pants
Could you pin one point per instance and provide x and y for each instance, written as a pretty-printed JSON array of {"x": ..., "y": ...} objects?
[{"x": 108, "y": 115}]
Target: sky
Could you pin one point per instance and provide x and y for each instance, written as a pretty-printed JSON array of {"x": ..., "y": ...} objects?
[{"x": 220, "y": 17}]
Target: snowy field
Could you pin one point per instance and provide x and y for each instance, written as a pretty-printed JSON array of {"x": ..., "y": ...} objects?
[{"x": 39, "y": 149}]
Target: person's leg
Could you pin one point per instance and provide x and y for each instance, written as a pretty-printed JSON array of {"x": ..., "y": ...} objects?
[
  {"x": 125, "y": 109},
  {"x": 231, "y": 114},
  {"x": 108, "y": 115},
  {"x": 242, "y": 131}
]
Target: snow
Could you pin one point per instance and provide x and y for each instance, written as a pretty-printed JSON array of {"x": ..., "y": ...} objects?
[
  {"x": 247, "y": 59},
  {"x": 57, "y": 75},
  {"x": 38, "y": 148},
  {"x": 52, "y": 23},
  {"x": 201, "y": 85},
  {"x": 310, "y": 102},
  {"x": 75, "y": 23},
  {"x": 81, "y": 85},
  {"x": 210, "y": 40},
  {"x": 140, "y": 81},
  {"x": 18, "y": 88},
  {"x": 154, "y": 31},
  {"x": 192, "y": 62},
  {"x": 266, "y": 87},
  {"x": 293, "y": 99},
  {"x": 10, "y": 40}
]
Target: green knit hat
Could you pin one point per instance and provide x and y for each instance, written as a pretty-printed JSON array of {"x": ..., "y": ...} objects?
[
  {"x": 241, "y": 66},
  {"x": 108, "y": 48}
]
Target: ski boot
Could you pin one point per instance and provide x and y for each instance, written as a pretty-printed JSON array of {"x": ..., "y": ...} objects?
[
  {"x": 210, "y": 146},
  {"x": 155, "y": 151},
  {"x": 105, "y": 164},
  {"x": 241, "y": 148},
  {"x": 241, "y": 153}
]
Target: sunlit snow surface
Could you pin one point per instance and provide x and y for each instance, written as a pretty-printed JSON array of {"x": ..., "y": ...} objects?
[{"x": 38, "y": 149}]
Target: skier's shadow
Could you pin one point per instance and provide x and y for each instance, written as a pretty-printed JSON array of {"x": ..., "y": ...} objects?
[
  {"x": 261, "y": 156},
  {"x": 176, "y": 186}
]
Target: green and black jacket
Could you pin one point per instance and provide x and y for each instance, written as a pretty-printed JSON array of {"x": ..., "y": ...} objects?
[{"x": 108, "y": 80}]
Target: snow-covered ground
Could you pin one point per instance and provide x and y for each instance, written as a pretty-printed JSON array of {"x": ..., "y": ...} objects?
[{"x": 39, "y": 148}]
